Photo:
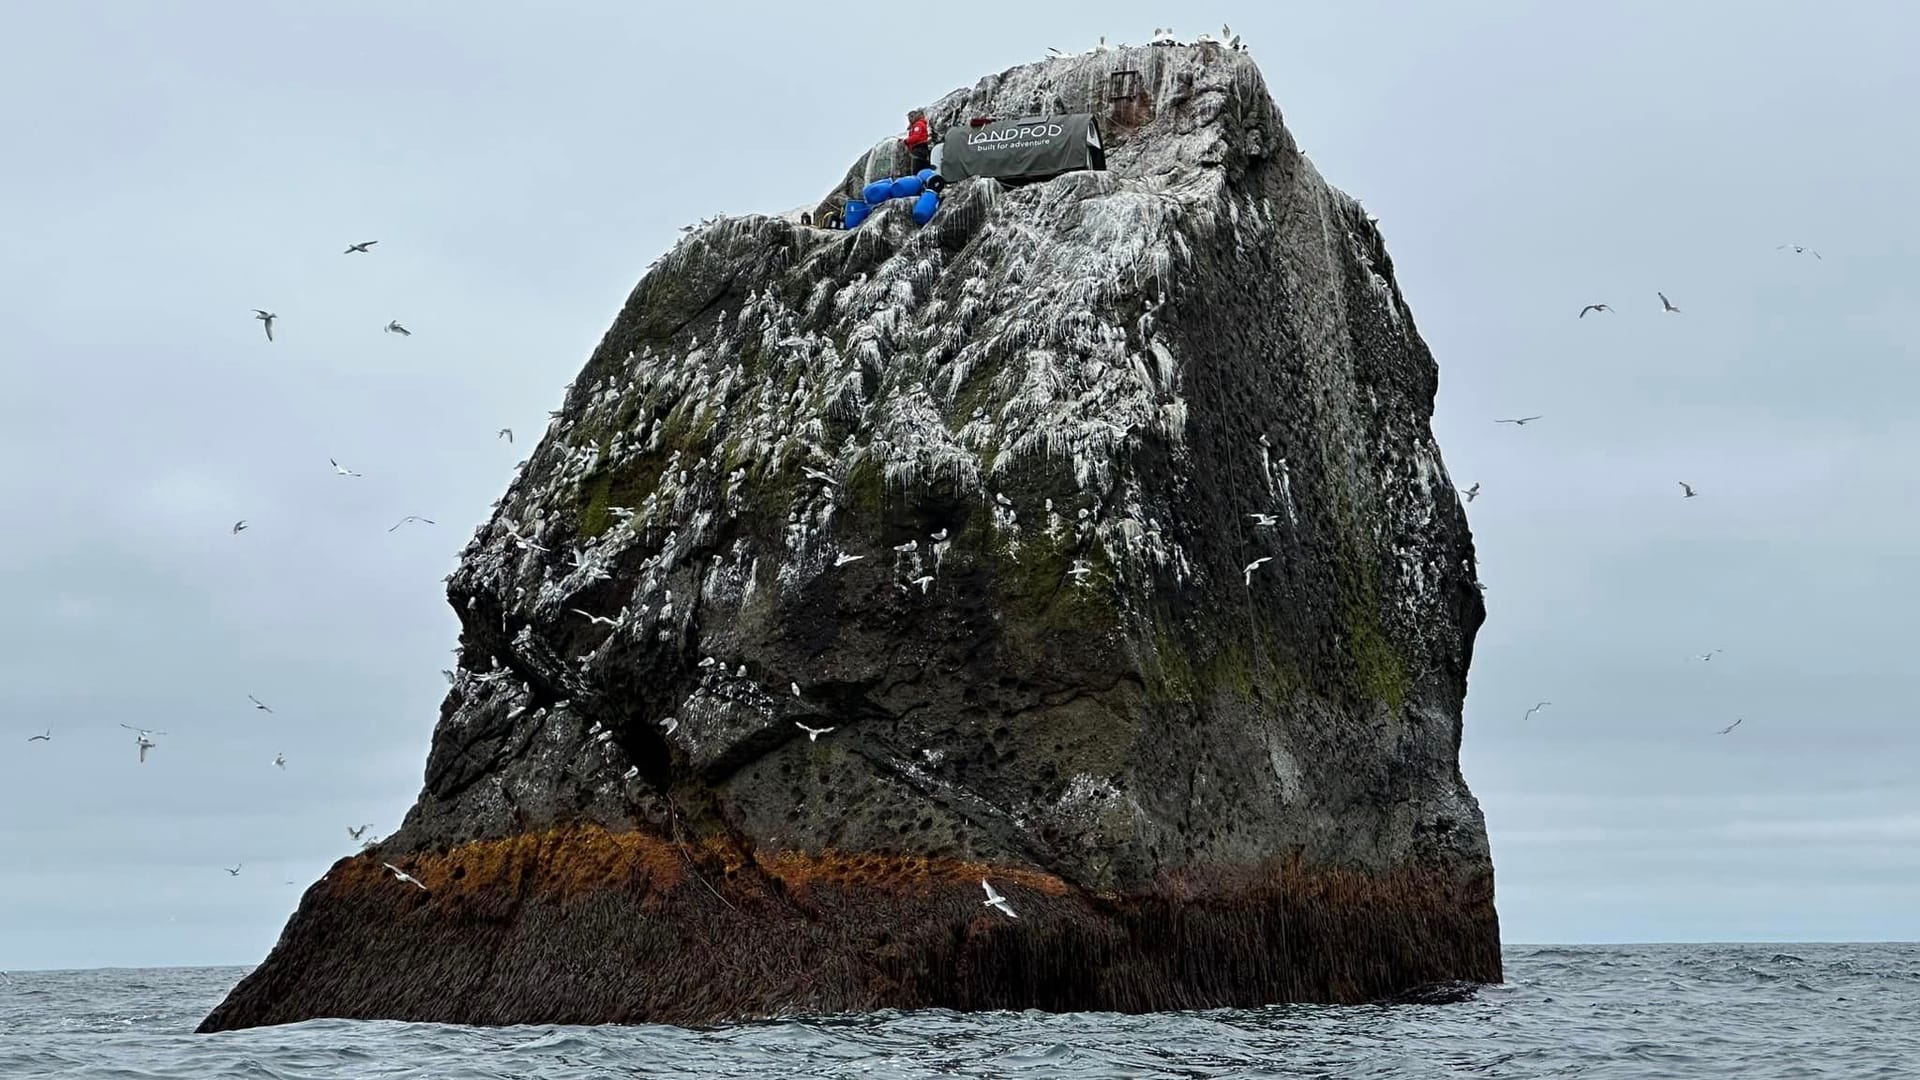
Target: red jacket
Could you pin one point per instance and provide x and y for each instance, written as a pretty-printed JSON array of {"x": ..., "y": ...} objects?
[{"x": 917, "y": 133}]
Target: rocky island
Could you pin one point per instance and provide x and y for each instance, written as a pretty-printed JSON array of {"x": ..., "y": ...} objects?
[{"x": 1090, "y": 541}]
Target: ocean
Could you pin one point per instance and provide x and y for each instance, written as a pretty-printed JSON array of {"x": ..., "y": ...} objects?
[{"x": 1753, "y": 1012}]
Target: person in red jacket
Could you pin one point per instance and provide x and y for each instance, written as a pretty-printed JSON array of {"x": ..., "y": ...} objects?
[{"x": 919, "y": 141}]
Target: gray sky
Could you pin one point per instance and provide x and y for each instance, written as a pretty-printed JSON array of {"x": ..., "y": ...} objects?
[{"x": 170, "y": 167}]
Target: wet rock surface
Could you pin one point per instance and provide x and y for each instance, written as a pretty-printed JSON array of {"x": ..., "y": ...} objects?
[{"x": 984, "y": 498}]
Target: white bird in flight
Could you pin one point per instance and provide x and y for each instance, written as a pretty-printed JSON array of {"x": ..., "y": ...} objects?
[
  {"x": 406, "y": 877},
  {"x": 258, "y": 704},
  {"x": 360, "y": 247},
  {"x": 239, "y": 526},
  {"x": 280, "y": 760},
  {"x": 48, "y": 737},
  {"x": 341, "y": 469},
  {"x": 410, "y": 517},
  {"x": 1800, "y": 249},
  {"x": 1473, "y": 492},
  {"x": 813, "y": 733},
  {"x": 925, "y": 581},
  {"x": 140, "y": 739},
  {"x": 234, "y": 870},
  {"x": 670, "y": 723},
  {"x": 843, "y": 559},
  {"x": 1536, "y": 709},
  {"x": 995, "y": 900},
  {"x": 359, "y": 832},
  {"x": 1519, "y": 422},
  {"x": 394, "y": 327},
  {"x": 1264, "y": 519},
  {"x": 1738, "y": 720},
  {"x": 1688, "y": 488},
  {"x": 1666, "y": 305},
  {"x": 266, "y": 317},
  {"x": 1594, "y": 307},
  {"x": 603, "y": 620},
  {"x": 505, "y": 433},
  {"x": 1708, "y": 655},
  {"x": 1246, "y": 572}
]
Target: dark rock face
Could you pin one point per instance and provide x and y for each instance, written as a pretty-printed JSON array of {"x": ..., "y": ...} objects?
[{"x": 982, "y": 498}]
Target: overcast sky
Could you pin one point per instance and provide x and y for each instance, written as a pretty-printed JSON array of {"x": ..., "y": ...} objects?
[{"x": 168, "y": 168}]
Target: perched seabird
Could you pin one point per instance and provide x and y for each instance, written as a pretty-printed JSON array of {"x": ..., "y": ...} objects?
[
  {"x": 795, "y": 687},
  {"x": 813, "y": 733},
  {"x": 406, "y": 877},
  {"x": 995, "y": 900},
  {"x": 1264, "y": 519},
  {"x": 708, "y": 661},
  {"x": 938, "y": 536},
  {"x": 280, "y": 760},
  {"x": 239, "y": 526},
  {"x": 140, "y": 739},
  {"x": 1519, "y": 422},
  {"x": 1593, "y": 307},
  {"x": 603, "y": 620},
  {"x": 1800, "y": 249},
  {"x": 360, "y": 247},
  {"x": 48, "y": 737},
  {"x": 359, "y": 832},
  {"x": 411, "y": 517},
  {"x": 234, "y": 870},
  {"x": 1080, "y": 569},
  {"x": 1666, "y": 304},
  {"x": 258, "y": 704},
  {"x": 1738, "y": 720},
  {"x": 843, "y": 559},
  {"x": 266, "y": 317},
  {"x": 505, "y": 433},
  {"x": 394, "y": 327},
  {"x": 1536, "y": 709},
  {"x": 816, "y": 474},
  {"x": 670, "y": 723},
  {"x": 1246, "y": 572},
  {"x": 1473, "y": 492},
  {"x": 1688, "y": 488},
  {"x": 340, "y": 469}
]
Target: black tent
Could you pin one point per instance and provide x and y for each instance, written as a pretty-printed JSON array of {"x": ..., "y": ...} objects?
[{"x": 1031, "y": 148}]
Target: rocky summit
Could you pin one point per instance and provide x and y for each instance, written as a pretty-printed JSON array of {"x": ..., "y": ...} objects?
[{"x": 1090, "y": 541}]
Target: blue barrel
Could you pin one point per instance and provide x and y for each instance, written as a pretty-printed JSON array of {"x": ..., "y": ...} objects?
[
  {"x": 927, "y": 174},
  {"x": 855, "y": 214},
  {"x": 924, "y": 206},
  {"x": 908, "y": 187},
  {"x": 878, "y": 192}
]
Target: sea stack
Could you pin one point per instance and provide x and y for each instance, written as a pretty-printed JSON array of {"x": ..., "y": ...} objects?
[{"x": 984, "y": 497}]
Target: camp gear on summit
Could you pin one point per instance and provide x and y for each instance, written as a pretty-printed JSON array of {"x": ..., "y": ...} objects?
[{"x": 1030, "y": 148}]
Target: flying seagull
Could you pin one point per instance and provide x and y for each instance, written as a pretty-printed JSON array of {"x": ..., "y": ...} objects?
[
  {"x": 1688, "y": 488},
  {"x": 140, "y": 739},
  {"x": 266, "y": 317},
  {"x": 1473, "y": 492},
  {"x": 394, "y": 327},
  {"x": 925, "y": 581},
  {"x": 48, "y": 737},
  {"x": 258, "y": 704},
  {"x": 994, "y": 899},
  {"x": 1263, "y": 519},
  {"x": 1051, "y": 51},
  {"x": 813, "y": 733},
  {"x": 505, "y": 433},
  {"x": 604, "y": 620},
  {"x": 843, "y": 559},
  {"x": 1800, "y": 249},
  {"x": 1708, "y": 655},
  {"x": 411, "y": 517},
  {"x": 280, "y": 760},
  {"x": 406, "y": 877},
  {"x": 1666, "y": 304},
  {"x": 1593, "y": 307},
  {"x": 1536, "y": 709},
  {"x": 360, "y": 247},
  {"x": 234, "y": 870},
  {"x": 341, "y": 469},
  {"x": 359, "y": 832},
  {"x": 1246, "y": 572},
  {"x": 1736, "y": 723},
  {"x": 239, "y": 526},
  {"x": 1519, "y": 422}
]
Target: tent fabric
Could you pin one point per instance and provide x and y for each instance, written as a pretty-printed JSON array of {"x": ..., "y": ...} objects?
[{"x": 1031, "y": 148}]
